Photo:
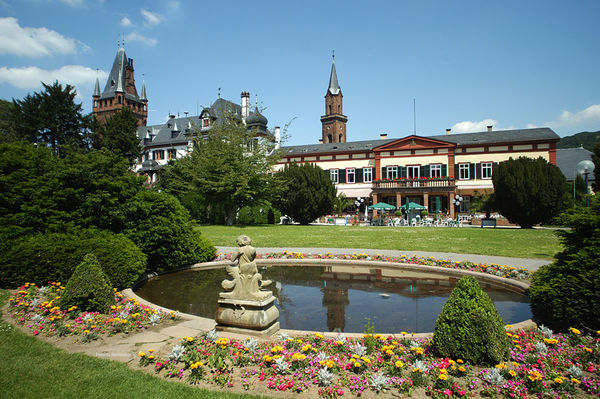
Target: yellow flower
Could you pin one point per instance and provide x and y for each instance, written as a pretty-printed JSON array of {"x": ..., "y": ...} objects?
[
  {"x": 459, "y": 361},
  {"x": 443, "y": 377},
  {"x": 443, "y": 371},
  {"x": 550, "y": 341},
  {"x": 150, "y": 350},
  {"x": 416, "y": 369},
  {"x": 558, "y": 380},
  {"x": 575, "y": 331},
  {"x": 509, "y": 326},
  {"x": 512, "y": 373},
  {"x": 501, "y": 366},
  {"x": 575, "y": 381},
  {"x": 190, "y": 339},
  {"x": 462, "y": 369},
  {"x": 398, "y": 364},
  {"x": 151, "y": 357},
  {"x": 141, "y": 354},
  {"x": 451, "y": 362}
]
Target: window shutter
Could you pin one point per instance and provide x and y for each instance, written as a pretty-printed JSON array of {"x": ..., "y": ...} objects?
[
  {"x": 342, "y": 176},
  {"x": 471, "y": 171},
  {"x": 494, "y": 166},
  {"x": 478, "y": 169},
  {"x": 444, "y": 170},
  {"x": 456, "y": 176},
  {"x": 425, "y": 171},
  {"x": 383, "y": 172},
  {"x": 402, "y": 171},
  {"x": 358, "y": 176}
]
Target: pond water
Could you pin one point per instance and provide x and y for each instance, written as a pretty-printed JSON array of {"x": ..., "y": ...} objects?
[{"x": 336, "y": 298}]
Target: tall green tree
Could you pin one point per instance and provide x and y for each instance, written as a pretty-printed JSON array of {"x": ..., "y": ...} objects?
[
  {"x": 119, "y": 135},
  {"x": 565, "y": 294},
  {"x": 52, "y": 118},
  {"x": 308, "y": 192},
  {"x": 529, "y": 191},
  {"x": 7, "y": 127},
  {"x": 230, "y": 168},
  {"x": 596, "y": 161}
]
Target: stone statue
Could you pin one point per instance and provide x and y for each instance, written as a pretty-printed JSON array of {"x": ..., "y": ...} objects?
[
  {"x": 246, "y": 281},
  {"x": 245, "y": 308}
]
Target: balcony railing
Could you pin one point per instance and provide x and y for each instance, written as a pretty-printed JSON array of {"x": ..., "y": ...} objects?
[{"x": 423, "y": 184}]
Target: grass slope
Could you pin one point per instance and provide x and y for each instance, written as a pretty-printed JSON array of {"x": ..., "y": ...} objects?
[
  {"x": 30, "y": 368},
  {"x": 521, "y": 243}
]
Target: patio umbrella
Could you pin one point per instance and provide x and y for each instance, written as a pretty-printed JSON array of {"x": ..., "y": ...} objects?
[
  {"x": 382, "y": 206},
  {"x": 412, "y": 206}
]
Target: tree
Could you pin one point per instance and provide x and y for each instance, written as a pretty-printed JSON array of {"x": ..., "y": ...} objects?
[
  {"x": 341, "y": 203},
  {"x": 52, "y": 118},
  {"x": 596, "y": 160},
  {"x": 40, "y": 192},
  {"x": 229, "y": 168},
  {"x": 308, "y": 192},
  {"x": 7, "y": 127},
  {"x": 119, "y": 135},
  {"x": 529, "y": 191},
  {"x": 565, "y": 294}
]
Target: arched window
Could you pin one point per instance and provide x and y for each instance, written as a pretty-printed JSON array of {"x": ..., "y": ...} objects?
[
  {"x": 329, "y": 108},
  {"x": 329, "y": 138},
  {"x": 340, "y": 138}
]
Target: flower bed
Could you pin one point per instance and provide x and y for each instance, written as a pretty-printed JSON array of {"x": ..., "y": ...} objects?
[
  {"x": 35, "y": 307},
  {"x": 493, "y": 268},
  {"x": 541, "y": 364}
]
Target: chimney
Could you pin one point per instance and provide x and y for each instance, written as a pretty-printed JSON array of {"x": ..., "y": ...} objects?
[
  {"x": 277, "y": 136},
  {"x": 448, "y": 132},
  {"x": 320, "y": 141},
  {"x": 245, "y": 105},
  {"x": 489, "y": 128},
  {"x": 383, "y": 136}
]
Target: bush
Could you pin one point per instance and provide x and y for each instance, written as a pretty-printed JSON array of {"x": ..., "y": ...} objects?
[
  {"x": 162, "y": 228},
  {"x": 308, "y": 192},
  {"x": 88, "y": 288},
  {"x": 565, "y": 294},
  {"x": 469, "y": 326},
  {"x": 40, "y": 258},
  {"x": 529, "y": 191}
]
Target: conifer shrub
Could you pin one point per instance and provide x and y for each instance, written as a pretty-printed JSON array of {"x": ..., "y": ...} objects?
[
  {"x": 566, "y": 293},
  {"x": 469, "y": 326},
  {"x": 88, "y": 288}
]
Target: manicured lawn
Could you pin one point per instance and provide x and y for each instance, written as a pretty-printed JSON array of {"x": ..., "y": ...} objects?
[
  {"x": 522, "y": 243},
  {"x": 30, "y": 368}
]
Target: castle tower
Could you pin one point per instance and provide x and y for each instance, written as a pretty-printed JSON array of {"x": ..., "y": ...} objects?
[
  {"x": 334, "y": 121},
  {"x": 120, "y": 92}
]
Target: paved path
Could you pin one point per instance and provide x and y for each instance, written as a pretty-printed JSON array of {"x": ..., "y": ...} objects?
[{"x": 530, "y": 264}]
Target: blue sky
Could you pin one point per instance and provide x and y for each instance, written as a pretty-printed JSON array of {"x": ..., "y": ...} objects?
[{"x": 467, "y": 64}]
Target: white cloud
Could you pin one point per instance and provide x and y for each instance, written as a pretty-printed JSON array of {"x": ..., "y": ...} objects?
[
  {"x": 150, "y": 18},
  {"x": 31, "y": 77},
  {"x": 33, "y": 42},
  {"x": 126, "y": 22},
  {"x": 137, "y": 37},
  {"x": 470, "y": 126},
  {"x": 588, "y": 116}
]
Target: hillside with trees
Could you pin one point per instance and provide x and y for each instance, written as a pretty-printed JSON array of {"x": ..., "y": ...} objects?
[{"x": 588, "y": 139}]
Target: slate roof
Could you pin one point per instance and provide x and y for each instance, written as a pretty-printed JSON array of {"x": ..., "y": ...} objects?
[
  {"x": 461, "y": 139},
  {"x": 116, "y": 79},
  {"x": 568, "y": 158}
]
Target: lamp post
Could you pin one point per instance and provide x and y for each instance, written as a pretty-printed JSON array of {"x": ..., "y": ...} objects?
[
  {"x": 457, "y": 200},
  {"x": 584, "y": 168},
  {"x": 358, "y": 202}
]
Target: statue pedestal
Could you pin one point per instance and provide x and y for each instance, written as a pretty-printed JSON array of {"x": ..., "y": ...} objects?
[{"x": 249, "y": 317}]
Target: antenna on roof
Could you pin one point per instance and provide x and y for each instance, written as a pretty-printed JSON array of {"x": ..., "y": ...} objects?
[
  {"x": 219, "y": 93},
  {"x": 123, "y": 35},
  {"x": 333, "y": 55},
  {"x": 118, "y": 41}
]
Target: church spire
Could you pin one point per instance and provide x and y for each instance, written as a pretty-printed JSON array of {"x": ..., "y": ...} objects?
[
  {"x": 97, "y": 89},
  {"x": 334, "y": 87},
  {"x": 143, "y": 96}
]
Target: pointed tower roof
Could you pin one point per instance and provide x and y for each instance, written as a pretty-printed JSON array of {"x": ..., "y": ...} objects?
[
  {"x": 117, "y": 79},
  {"x": 334, "y": 87},
  {"x": 143, "y": 96},
  {"x": 97, "y": 89}
]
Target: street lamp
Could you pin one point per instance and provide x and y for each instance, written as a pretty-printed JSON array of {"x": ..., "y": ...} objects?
[
  {"x": 457, "y": 200},
  {"x": 359, "y": 201},
  {"x": 584, "y": 168}
]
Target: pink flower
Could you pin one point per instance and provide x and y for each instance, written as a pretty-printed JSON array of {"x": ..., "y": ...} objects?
[{"x": 448, "y": 392}]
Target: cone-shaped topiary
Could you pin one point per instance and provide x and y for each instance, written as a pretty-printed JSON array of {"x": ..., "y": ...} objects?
[
  {"x": 469, "y": 326},
  {"x": 88, "y": 288}
]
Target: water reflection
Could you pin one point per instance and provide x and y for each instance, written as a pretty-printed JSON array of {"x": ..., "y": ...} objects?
[{"x": 337, "y": 298}]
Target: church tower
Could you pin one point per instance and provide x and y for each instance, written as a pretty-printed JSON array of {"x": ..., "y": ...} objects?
[
  {"x": 334, "y": 122},
  {"x": 120, "y": 92}
]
